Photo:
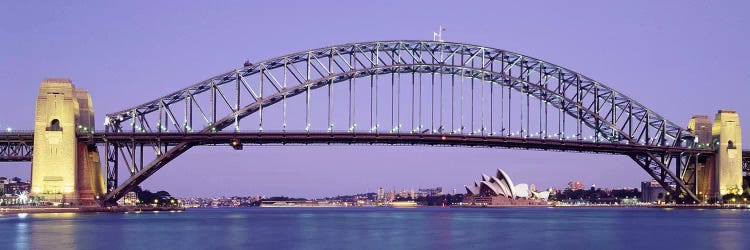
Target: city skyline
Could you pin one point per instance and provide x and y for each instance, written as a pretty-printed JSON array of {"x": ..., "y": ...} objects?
[
  {"x": 636, "y": 49},
  {"x": 412, "y": 190}
]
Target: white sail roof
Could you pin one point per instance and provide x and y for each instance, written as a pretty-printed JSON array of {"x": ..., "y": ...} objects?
[
  {"x": 501, "y": 184},
  {"x": 522, "y": 190}
]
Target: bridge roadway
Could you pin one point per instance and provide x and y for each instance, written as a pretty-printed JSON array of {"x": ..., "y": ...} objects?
[
  {"x": 258, "y": 138},
  {"x": 19, "y": 146}
]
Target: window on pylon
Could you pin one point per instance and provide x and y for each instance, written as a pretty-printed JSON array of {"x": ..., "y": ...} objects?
[{"x": 54, "y": 125}]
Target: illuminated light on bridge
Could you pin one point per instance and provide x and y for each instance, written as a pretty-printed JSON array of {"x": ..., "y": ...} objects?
[
  {"x": 398, "y": 92},
  {"x": 236, "y": 144}
]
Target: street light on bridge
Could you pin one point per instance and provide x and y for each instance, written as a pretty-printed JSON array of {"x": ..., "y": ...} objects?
[{"x": 236, "y": 144}]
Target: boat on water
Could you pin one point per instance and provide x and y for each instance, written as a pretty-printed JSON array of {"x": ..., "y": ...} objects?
[
  {"x": 403, "y": 204},
  {"x": 297, "y": 204}
]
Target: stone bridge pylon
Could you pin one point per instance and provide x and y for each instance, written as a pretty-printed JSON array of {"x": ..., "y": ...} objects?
[{"x": 63, "y": 168}]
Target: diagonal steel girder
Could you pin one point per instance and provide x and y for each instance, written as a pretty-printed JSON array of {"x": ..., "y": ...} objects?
[{"x": 657, "y": 166}]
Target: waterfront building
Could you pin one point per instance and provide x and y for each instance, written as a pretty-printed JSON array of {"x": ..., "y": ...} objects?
[
  {"x": 13, "y": 186},
  {"x": 499, "y": 190},
  {"x": 652, "y": 191},
  {"x": 236, "y": 201},
  {"x": 130, "y": 199},
  {"x": 432, "y": 191},
  {"x": 403, "y": 204}
]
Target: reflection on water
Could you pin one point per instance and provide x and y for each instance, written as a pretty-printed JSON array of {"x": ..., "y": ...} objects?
[
  {"x": 731, "y": 234},
  {"x": 52, "y": 231},
  {"x": 383, "y": 228},
  {"x": 22, "y": 235}
]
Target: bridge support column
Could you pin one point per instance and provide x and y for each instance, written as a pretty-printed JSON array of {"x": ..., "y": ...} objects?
[
  {"x": 727, "y": 140},
  {"x": 706, "y": 178},
  {"x": 702, "y": 170},
  {"x": 64, "y": 169}
]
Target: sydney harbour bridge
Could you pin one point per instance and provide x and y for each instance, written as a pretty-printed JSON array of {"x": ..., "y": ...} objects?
[{"x": 388, "y": 92}]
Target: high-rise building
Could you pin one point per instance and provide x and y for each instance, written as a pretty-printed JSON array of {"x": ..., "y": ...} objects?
[
  {"x": 380, "y": 194},
  {"x": 404, "y": 193}
]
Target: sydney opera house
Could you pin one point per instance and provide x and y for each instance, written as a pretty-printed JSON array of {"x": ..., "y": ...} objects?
[{"x": 499, "y": 190}]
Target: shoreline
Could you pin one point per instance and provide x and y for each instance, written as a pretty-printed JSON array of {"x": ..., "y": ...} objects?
[
  {"x": 679, "y": 206},
  {"x": 38, "y": 210},
  {"x": 603, "y": 206},
  {"x": 41, "y": 210}
]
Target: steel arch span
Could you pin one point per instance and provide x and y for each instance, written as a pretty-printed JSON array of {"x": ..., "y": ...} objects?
[{"x": 449, "y": 93}]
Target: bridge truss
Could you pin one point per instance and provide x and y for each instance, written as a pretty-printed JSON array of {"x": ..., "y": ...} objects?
[
  {"x": 398, "y": 88},
  {"x": 16, "y": 147}
]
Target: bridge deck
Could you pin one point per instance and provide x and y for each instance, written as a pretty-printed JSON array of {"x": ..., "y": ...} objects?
[
  {"x": 27, "y": 138},
  {"x": 387, "y": 138},
  {"x": 18, "y": 146}
]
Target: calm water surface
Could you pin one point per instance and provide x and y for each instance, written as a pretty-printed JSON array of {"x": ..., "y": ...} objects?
[{"x": 383, "y": 228}]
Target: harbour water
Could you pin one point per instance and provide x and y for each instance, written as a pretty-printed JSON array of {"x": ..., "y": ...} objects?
[{"x": 383, "y": 228}]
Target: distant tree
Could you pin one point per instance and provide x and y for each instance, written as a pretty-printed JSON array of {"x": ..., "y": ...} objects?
[
  {"x": 595, "y": 195},
  {"x": 275, "y": 198},
  {"x": 732, "y": 198},
  {"x": 147, "y": 197},
  {"x": 439, "y": 200},
  {"x": 283, "y": 198},
  {"x": 163, "y": 194}
]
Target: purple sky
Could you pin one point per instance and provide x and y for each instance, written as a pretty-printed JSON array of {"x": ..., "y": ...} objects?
[{"x": 678, "y": 58}]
